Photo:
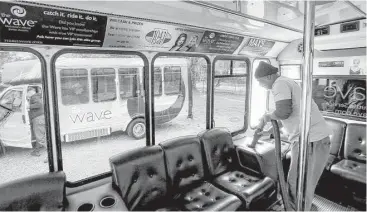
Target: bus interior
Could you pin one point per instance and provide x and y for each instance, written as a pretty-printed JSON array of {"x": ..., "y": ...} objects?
[{"x": 152, "y": 105}]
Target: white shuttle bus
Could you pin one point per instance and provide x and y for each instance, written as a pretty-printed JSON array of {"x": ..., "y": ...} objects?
[{"x": 91, "y": 93}]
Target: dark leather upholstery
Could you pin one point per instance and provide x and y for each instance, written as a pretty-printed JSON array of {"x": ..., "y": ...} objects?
[
  {"x": 249, "y": 188},
  {"x": 184, "y": 161},
  {"x": 337, "y": 137},
  {"x": 140, "y": 175},
  {"x": 207, "y": 197},
  {"x": 350, "y": 170},
  {"x": 355, "y": 142},
  {"x": 45, "y": 192},
  {"x": 353, "y": 166},
  {"x": 185, "y": 171},
  {"x": 219, "y": 150}
]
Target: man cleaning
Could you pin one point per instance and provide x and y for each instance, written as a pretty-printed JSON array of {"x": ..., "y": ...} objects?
[{"x": 287, "y": 97}]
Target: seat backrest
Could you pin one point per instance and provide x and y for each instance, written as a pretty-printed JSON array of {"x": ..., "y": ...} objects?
[
  {"x": 44, "y": 192},
  {"x": 218, "y": 150},
  {"x": 140, "y": 177},
  {"x": 184, "y": 161},
  {"x": 355, "y": 142},
  {"x": 338, "y": 128}
]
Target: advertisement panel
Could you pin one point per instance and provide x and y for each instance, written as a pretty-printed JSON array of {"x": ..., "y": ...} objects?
[
  {"x": 129, "y": 33},
  {"x": 340, "y": 66},
  {"x": 256, "y": 47},
  {"x": 38, "y": 25},
  {"x": 215, "y": 42}
]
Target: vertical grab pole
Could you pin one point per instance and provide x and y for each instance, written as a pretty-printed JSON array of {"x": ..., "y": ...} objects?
[{"x": 309, "y": 29}]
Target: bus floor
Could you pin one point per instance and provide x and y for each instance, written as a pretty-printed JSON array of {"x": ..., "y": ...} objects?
[{"x": 319, "y": 204}]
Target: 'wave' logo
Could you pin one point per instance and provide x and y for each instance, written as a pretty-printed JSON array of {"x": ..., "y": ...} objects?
[
  {"x": 18, "y": 11},
  {"x": 158, "y": 36}
]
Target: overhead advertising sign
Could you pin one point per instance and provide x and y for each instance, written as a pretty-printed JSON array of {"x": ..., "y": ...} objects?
[
  {"x": 331, "y": 64},
  {"x": 355, "y": 65},
  {"x": 40, "y": 25},
  {"x": 256, "y": 47},
  {"x": 215, "y": 42},
  {"x": 129, "y": 33}
]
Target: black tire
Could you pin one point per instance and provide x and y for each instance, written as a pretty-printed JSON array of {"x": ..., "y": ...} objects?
[{"x": 135, "y": 127}]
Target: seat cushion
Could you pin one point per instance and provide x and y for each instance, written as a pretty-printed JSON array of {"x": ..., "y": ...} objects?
[
  {"x": 336, "y": 139},
  {"x": 219, "y": 150},
  {"x": 140, "y": 175},
  {"x": 207, "y": 197},
  {"x": 250, "y": 189},
  {"x": 184, "y": 161},
  {"x": 355, "y": 142},
  {"x": 44, "y": 192},
  {"x": 351, "y": 170}
]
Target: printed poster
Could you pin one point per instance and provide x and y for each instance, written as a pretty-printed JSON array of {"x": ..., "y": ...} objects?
[
  {"x": 340, "y": 96},
  {"x": 38, "y": 25},
  {"x": 256, "y": 47},
  {"x": 129, "y": 33},
  {"x": 352, "y": 66},
  {"x": 215, "y": 42}
]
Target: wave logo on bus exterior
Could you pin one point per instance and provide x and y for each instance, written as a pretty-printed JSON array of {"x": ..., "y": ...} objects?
[
  {"x": 18, "y": 11},
  {"x": 158, "y": 36},
  {"x": 91, "y": 116}
]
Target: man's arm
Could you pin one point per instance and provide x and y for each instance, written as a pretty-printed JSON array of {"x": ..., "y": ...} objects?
[{"x": 283, "y": 102}]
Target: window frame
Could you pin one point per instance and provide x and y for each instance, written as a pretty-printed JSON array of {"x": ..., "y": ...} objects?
[
  {"x": 246, "y": 75},
  {"x": 208, "y": 91},
  {"x": 47, "y": 102},
  {"x": 137, "y": 86},
  {"x": 56, "y": 105}
]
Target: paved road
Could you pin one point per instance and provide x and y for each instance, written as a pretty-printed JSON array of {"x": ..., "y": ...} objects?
[{"x": 86, "y": 158}]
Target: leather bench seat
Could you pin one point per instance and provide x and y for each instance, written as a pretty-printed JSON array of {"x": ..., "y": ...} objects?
[
  {"x": 43, "y": 192},
  {"x": 353, "y": 166},
  {"x": 151, "y": 179},
  {"x": 226, "y": 173},
  {"x": 185, "y": 169},
  {"x": 351, "y": 170}
]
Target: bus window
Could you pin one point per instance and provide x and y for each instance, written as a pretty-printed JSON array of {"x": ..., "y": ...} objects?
[
  {"x": 74, "y": 86},
  {"x": 230, "y": 93},
  {"x": 91, "y": 133},
  {"x": 23, "y": 145},
  {"x": 103, "y": 84},
  {"x": 259, "y": 97},
  {"x": 128, "y": 82},
  {"x": 157, "y": 81},
  {"x": 181, "y": 110},
  {"x": 172, "y": 80}
]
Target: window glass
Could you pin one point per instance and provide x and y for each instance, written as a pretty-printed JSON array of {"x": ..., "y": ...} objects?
[
  {"x": 340, "y": 96},
  {"x": 23, "y": 147},
  {"x": 91, "y": 133},
  {"x": 291, "y": 71},
  {"x": 172, "y": 80},
  {"x": 103, "y": 84},
  {"x": 181, "y": 110},
  {"x": 128, "y": 78},
  {"x": 259, "y": 97},
  {"x": 74, "y": 86},
  {"x": 157, "y": 81},
  {"x": 230, "y": 93}
]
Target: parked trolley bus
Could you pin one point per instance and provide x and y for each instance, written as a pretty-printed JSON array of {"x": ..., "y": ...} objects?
[{"x": 159, "y": 105}]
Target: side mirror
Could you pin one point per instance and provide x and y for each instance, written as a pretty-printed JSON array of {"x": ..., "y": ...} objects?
[{"x": 17, "y": 103}]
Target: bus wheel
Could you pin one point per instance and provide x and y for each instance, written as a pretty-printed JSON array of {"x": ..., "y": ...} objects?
[{"x": 136, "y": 128}]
